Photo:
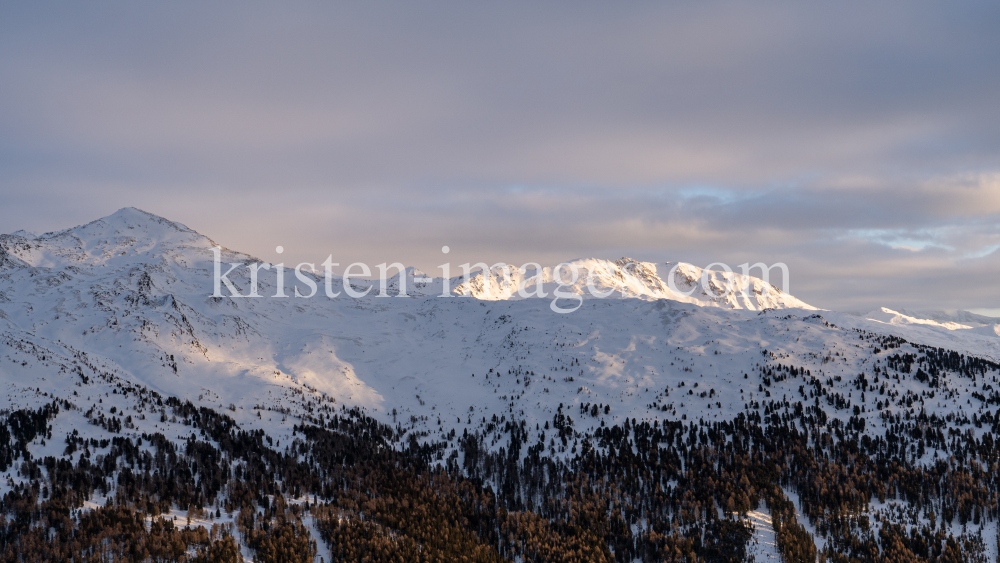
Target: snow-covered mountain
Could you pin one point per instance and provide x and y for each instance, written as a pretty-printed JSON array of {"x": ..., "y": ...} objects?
[
  {"x": 959, "y": 316},
  {"x": 133, "y": 292},
  {"x": 127, "y": 302},
  {"x": 963, "y": 330},
  {"x": 628, "y": 278}
]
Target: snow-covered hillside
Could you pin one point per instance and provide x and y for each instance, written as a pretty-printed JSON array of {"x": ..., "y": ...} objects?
[
  {"x": 103, "y": 314},
  {"x": 133, "y": 292}
]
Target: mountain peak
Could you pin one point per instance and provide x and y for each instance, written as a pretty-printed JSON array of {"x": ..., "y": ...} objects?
[
  {"x": 129, "y": 226},
  {"x": 128, "y": 231},
  {"x": 131, "y": 219}
]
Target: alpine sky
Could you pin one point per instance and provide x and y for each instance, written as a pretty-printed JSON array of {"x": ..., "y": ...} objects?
[{"x": 859, "y": 143}]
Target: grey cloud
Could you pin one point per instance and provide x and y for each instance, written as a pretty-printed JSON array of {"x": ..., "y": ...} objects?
[{"x": 828, "y": 136}]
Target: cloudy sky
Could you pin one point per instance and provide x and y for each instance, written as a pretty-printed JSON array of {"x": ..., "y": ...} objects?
[{"x": 857, "y": 142}]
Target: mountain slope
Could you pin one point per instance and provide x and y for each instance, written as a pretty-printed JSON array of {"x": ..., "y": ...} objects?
[
  {"x": 116, "y": 316},
  {"x": 627, "y": 278}
]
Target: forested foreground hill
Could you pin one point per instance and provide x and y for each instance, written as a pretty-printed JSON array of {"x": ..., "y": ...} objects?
[{"x": 346, "y": 487}]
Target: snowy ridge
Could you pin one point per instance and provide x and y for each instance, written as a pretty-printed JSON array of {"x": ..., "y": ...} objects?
[
  {"x": 974, "y": 338},
  {"x": 959, "y": 317},
  {"x": 629, "y": 279},
  {"x": 134, "y": 289},
  {"x": 126, "y": 301}
]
